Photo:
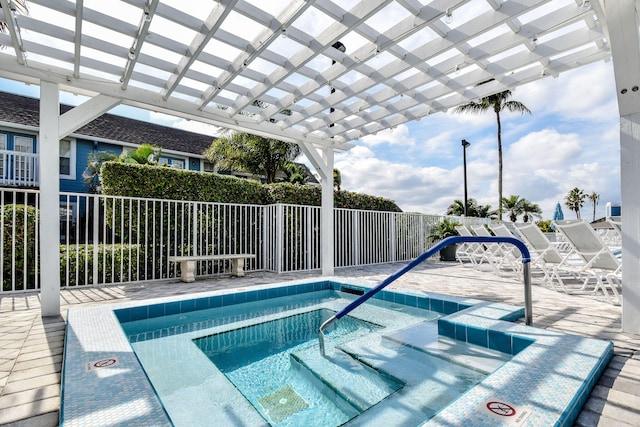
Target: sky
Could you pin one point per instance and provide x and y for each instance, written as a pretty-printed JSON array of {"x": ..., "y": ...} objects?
[{"x": 570, "y": 140}]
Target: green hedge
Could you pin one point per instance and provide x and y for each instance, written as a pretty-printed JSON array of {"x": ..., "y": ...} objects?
[
  {"x": 120, "y": 179},
  {"x": 19, "y": 221},
  {"x": 154, "y": 182},
  {"x": 119, "y": 263}
]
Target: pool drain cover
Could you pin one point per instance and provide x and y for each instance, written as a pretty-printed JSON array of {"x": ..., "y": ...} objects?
[{"x": 282, "y": 403}]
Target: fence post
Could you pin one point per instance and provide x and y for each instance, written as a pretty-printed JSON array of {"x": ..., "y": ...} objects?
[
  {"x": 195, "y": 228},
  {"x": 392, "y": 235},
  {"x": 356, "y": 236},
  {"x": 95, "y": 237},
  {"x": 279, "y": 236}
]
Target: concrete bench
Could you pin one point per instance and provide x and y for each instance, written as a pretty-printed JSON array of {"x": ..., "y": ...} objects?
[{"x": 188, "y": 264}]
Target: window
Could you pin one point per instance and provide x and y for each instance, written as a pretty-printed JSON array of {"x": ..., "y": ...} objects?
[
  {"x": 208, "y": 167},
  {"x": 174, "y": 163},
  {"x": 24, "y": 164},
  {"x": 67, "y": 159}
]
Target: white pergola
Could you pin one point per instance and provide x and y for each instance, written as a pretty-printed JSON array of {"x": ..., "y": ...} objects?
[{"x": 320, "y": 73}]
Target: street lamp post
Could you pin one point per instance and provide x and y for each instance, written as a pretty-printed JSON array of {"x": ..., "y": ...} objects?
[{"x": 465, "y": 144}]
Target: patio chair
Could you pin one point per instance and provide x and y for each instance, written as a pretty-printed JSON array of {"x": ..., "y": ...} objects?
[
  {"x": 513, "y": 253},
  {"x": 498, "y": 254},
  {"x": 472, "y": 252},
  {"x": 545, "y": 255},
  {"x": 599, "y": 262}
]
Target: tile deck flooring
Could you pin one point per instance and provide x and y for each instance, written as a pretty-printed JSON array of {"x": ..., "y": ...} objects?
[{"x": 31, "y": 347}]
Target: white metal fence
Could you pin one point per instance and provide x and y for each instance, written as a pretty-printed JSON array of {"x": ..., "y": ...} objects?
[{"x": 107, "y": 240}]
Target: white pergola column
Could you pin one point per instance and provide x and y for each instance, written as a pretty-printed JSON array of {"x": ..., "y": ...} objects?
[
  {"x": 326, "y": 217},
  {"x": 49, "y": 199},
  {"x": 54, "y": 127},
  {"x": 322, "y": 161},
  {"x": 622, "y": 24}
]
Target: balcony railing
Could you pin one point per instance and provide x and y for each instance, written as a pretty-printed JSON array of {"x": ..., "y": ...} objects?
[{"x": 18, "y": 169}]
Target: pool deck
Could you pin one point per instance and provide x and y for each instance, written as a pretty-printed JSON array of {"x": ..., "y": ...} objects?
[{"x": 31, "y": 347}]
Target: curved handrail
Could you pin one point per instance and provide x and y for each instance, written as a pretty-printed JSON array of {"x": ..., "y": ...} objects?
[{"x": 526, "y": 259}]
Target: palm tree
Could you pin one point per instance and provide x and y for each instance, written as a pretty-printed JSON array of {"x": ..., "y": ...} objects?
[
  {"x": 457, "y": 207},
  {"x": 251, "y": 153},
  {"x": 530, "y": 210},
  {"x": 513, "y": 205},
  {"x": 91, "y": 174},
  {"x": 294, "y": 174},
  {"x": 594, "y": 197},
  {"x": 21, "y": 6},
  {"x": 473, "y": 209},
  {"x": 574, "y": 200},
  {"x": 337, "y": 179},
  {"x": 499, "y": 102}
]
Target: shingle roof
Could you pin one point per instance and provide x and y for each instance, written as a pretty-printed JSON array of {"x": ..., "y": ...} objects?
[{"x": 26, "y": 111}]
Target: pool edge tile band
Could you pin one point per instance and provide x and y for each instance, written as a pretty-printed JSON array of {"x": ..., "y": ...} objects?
[{"x": 121, "y": 392}]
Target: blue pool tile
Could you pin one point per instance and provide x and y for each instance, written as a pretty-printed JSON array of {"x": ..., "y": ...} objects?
[
  {"x": 228, "y": 300},
  {"x": 500, "y": 341},
  {"x": 423, "y": 303},
  {"x": 399, "y": 298},
  {"x": 215, "y": 302},
  {"x": 446, "y": 329},
  {"x": 241, "y": 297},
  {"x": 388, "y": 296},
  {"x": 263, "y": 294},
  {"x": 202, "y": 303},
  {"x": 139, "y": 313},
  {"x": 252, "y": 296},
  {"x": 520, "y": 344},
  {"x": 436, "y": 305},
  {"x": 477, "y": 336},
  {"x": 187, "y": 306},
  {"x": 411, "y": 300},
  {"x": 461, "y": 332},
  {"x": 282, "y": 292},
  {"x": 123, "y": 315},
  {"x": 156, "y": 310},
  {"x": 272, "y": 293},
  {"x": 450, "y": 307},
  {"x": 172, "y": 308}
]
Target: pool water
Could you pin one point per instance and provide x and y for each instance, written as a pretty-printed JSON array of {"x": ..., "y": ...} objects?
[{"x": 258, "y": 363}]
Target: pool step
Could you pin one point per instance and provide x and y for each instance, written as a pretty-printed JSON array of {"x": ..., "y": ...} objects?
[
  {"x": 424, "y": 337},
  {"x": 357, "y": 384}
]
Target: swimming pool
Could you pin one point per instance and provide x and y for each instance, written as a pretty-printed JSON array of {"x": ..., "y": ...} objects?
[{"x": 466, "y": 353}]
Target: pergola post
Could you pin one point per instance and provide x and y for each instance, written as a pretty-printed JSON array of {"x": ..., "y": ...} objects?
[
  {"x": 622, "y": 23},
  {"x": 326, "y": 217},
  {"x": 322, "y": 161},
  {"x": 49, "y": 199},
  {"x": 54, "y": 127}
]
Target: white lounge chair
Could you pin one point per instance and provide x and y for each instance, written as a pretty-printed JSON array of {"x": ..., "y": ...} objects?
[
  {"x": 512, "y": 253},
  {"x": 545, "y": 255},
  {"x": 599, "y": 262},
  {"x": 472, "y": 252}
]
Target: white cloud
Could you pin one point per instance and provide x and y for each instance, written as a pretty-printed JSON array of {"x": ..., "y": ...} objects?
[
  {"x": 396, "y": 136},
  {"x": 180, "y": 123},
  {"x": 414, "y": 189}
]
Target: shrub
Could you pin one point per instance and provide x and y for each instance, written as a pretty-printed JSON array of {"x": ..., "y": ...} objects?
[
  {"x": 19, "y": 247},
  {"x": 118, "y": 263}
]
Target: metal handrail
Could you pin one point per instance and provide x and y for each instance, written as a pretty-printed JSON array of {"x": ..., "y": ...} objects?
[{"x": 526, "y": 259}]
